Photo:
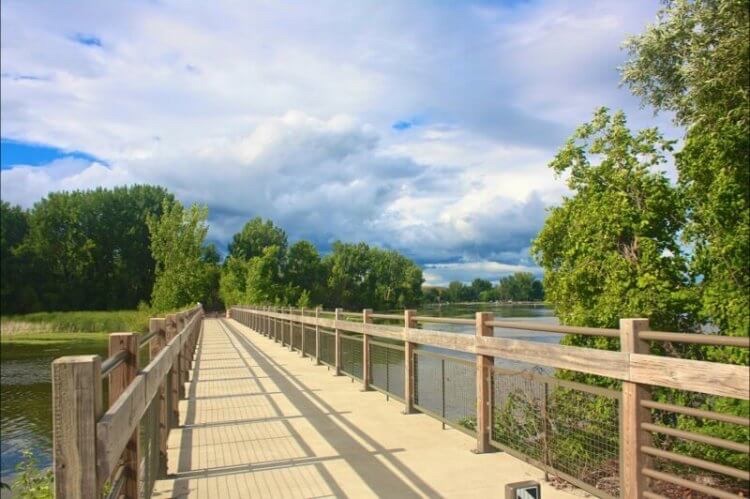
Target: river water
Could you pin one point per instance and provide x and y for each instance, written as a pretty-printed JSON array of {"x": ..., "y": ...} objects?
[{"x": 25, "y": 389}]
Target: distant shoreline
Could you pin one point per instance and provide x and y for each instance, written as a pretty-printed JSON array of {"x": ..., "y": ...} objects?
[{"x": 493, "y": 303}]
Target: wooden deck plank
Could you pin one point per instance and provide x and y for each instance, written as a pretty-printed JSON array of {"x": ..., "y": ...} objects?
[{"x": 260, "y": 421}]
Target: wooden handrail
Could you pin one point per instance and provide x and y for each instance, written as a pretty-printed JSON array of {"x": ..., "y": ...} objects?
[
  {"x": 89, "y": 446},
  {"x": 633, "y": 365},
  {"x": 711, "y": 378}
]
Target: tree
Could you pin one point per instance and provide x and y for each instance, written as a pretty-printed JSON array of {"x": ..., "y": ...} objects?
[
  {"x": 349, "y": 269},
  {"x": 397, "y": 280},
  {"x": 254, "y": 237},
  {"x": 233, "y": 281},
  {"x": 183, "y": 277},
  {"x": 89, "y": 250},
  {"x": 304, "y": 273},
  {"x": 611, "y": 250},
  {"x": 264, "y": 283},
  {"x": 695, "y": 62},
  {"x": 16, "y": 292},
  {"x": 479, "y": 286}
]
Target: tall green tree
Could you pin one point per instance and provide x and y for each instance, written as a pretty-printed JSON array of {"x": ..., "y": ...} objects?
[
  {"x": 254, "y": 237},
  {"x": 183, "y": 276},
  {"x": 264, "y": 283},
  {"x": 16, "y": 290},
  {"x": 90, "y": 250},
  {"x": 349, "y": 269},
  {"x": 304, "y": 274},
  {"x": 611, "y": 249},
  {"x": 695, "y": 62}
]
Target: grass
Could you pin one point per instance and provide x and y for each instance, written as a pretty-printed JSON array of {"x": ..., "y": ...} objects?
[
  {"x": 44, "y": 345},
  {"x": 76, "y": 322}
]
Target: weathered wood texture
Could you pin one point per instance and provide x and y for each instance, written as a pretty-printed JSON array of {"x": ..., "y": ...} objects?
[
  {"x": 484, "y": 364},
  {"x": 632, "y": 414},
  {"x": 119, "y": 380},
  {"x": 366, "y": 371},
  {"x": 114, "y": 428},
  {"x": 409, "y": 322},
  {"x": 76, "y": 406}
]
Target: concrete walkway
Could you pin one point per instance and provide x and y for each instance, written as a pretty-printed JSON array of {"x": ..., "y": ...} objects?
[{"x": 260, "y": 421}]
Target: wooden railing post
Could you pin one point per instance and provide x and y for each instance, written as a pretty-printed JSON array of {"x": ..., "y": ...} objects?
[
  {"x": 291, "y": 329},
  {"x": 76, "y": 407},
  {"x": 409, "y": 323},
  {"x": 173, "y": 390},
  {"x": 302, "y": 332},
  {"x": 184, "y": 358},
  {"x": 484, "y": 386},
  {"x": 317, "y": 336},
  {"x": 337, "y": 316},
  {"x": 119, "y": 379},
  {"x": 366, "y": 375},
  {"x": 632, "y": 415},
  {"x": 157, "y": 325}
]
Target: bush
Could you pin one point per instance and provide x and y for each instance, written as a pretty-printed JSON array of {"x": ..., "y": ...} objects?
[
  {"x": 78, "y": 322},
  {"x": 32, "y": 482}
]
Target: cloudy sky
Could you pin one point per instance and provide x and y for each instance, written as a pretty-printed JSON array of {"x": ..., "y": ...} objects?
[{"x": 420, "y": 126}]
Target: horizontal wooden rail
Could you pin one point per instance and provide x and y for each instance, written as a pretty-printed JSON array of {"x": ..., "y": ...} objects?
[
  {"x": 711, "y": 378},
  {"x": 700, "y": 339},
  {"x": 633, "y": 365},
  {"x": 694, "y": 461},
  {"x": 696, "y": 413},
  {"x": 114, "y": 428},
  {"x": 91, "y": 448},
  {"x": 697, "y": 437},
  {"x": 689, "y": 484}
]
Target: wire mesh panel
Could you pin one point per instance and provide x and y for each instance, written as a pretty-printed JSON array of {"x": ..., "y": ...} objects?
[
  {"x": 297, "y": 336},
  {"x": 327, "y": 347},
  {"x": 445, "y": 388},
  {"x": 351, "y": 355},
  {"x": 567, "y": 428},
  {"x": 149, "y": 434},
  {"x": 309, "y": 333},
  {"x": 387, "y": 368}
]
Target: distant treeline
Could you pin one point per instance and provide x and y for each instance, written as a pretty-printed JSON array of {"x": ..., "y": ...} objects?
[
  {"x": 83, "y": 250},
  {"x": 262, "y": 268},
  {"x": 521, "y": 286},
  {"x": 138, "y": 247}
]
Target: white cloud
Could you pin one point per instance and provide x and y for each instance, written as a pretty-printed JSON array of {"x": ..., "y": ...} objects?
[{"x": 286, "y": 112}]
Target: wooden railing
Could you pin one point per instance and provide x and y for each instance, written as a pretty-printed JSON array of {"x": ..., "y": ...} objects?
[
  {"x": 637, "y": 370},
  {"x": 97, "y": 449}
]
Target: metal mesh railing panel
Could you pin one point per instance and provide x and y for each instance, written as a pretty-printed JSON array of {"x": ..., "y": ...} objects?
[
  {"x": 562, "y": 427},
  {"x": 327, "y": 347},
  {"x": 351, "y": 356},
  {"x": 297, "y": 336},
  {"x": 387, "y": 368},
  {"x": 150, "y": 436},
  {"x": 445, "y": 387},
  {"x": 309, "y": 333}
]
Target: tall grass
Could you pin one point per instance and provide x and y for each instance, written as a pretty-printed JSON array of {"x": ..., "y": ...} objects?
[{"x": 77, "y": 322}]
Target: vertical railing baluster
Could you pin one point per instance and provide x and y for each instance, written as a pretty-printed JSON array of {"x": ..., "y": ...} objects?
[
  {"x": 119, "y": 379},
  {"x": 338, "y": 315},
  {"x": 366, "y": 368},
  {"x": 484, "y": 364},
  {"x": 409, "y": 323},
  {"x": 632, "y": 415}
]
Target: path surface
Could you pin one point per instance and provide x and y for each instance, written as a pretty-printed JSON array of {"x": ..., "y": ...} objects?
[{"x": 260, "y": 421}]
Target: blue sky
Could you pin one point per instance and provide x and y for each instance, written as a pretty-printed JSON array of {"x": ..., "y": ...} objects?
[{"x": 420, "y": 126}]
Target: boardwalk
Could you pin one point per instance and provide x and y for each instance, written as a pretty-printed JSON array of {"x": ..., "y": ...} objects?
[{"x": 260, "y": 421}]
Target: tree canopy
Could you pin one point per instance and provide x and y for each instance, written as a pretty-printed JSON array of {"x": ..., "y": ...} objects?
[
  {"x": 610, "y": 250},
  {"x": 695, "y": 62}
]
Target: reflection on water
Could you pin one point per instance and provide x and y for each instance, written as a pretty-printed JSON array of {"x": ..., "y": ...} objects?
[{"x": 26, "y": 395}]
